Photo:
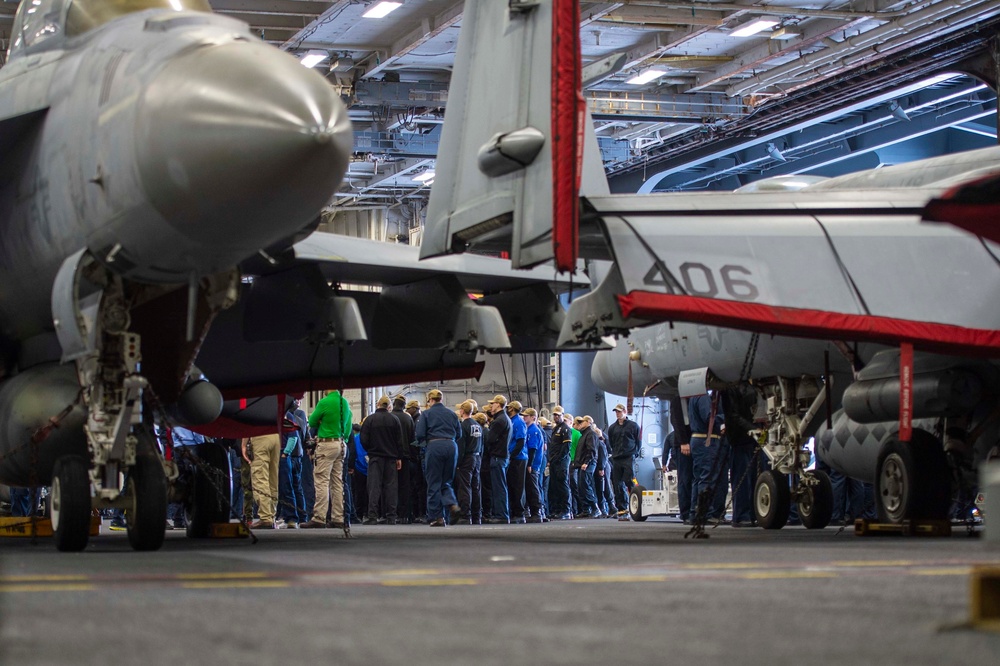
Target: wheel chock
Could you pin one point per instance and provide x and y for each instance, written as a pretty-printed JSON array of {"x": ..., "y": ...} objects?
[
  {"x": 16, "y": 526},
  {"x": 228, "y": 531},
  {"x": 985, "y": 598},
  {"x": 928, "y": 528}
]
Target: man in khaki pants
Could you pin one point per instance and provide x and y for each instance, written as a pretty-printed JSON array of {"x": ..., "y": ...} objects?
[
  {"x": 331, "y": 421},
  {"x": 264, "y": 476}
]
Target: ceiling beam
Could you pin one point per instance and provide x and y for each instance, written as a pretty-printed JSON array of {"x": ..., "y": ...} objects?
[
  {"x": 429, "y": 28},
  {"x": 271, "y": 7}
]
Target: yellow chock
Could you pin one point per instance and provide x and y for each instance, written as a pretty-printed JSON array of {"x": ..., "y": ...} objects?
[
  {"x": 228, "y": 531},
  {"x": 11, "y": 526},
  {"x": 985, "y": 588}
]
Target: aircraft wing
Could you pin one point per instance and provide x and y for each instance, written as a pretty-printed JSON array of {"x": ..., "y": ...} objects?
[
  {"x": 288, "y": 333},
  {"x": 361, "y": 261},
  {"x": 833, "y": 264}
]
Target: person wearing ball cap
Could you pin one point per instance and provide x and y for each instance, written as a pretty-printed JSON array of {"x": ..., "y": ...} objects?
[
  {"x": 382, "y": 438},
  {"x": 625, "y": 441},
  {"x": 439, "y": 430},
  {"x": 518, "y": 468},
  {"x": 497, "y": 440},
  {"x": 560, "y": 505}
]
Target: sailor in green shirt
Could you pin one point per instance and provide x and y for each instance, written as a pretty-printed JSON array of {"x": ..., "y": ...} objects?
[
  {"x": 574, "y": 435},
  {"x": 331, "y": 422},
  {"x": 574, "y": 475}
]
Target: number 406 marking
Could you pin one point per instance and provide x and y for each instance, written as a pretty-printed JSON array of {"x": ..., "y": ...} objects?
[{"x": 700, "y": 280}]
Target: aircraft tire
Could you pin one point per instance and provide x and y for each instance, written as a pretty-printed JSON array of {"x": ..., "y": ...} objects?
[
  {"x": 210, "y": 502},
  {"x": 912, "y": 480},
  {"x": 816, "y": 512},
  {"x": 147, "y": 519},
  {"x": 69, "y": 503},
  {"x": 635, "y": 503},
  {"x": 772, "y": 501}
]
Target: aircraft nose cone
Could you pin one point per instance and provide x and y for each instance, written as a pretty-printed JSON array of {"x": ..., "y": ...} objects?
[{"x": 238, "y": 145}]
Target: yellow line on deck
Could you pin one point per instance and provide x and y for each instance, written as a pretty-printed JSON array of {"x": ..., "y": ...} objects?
[
  {"x": 430, "y": 583},
  {"x": 40, "y": 578},
  {"x": 944, "y": 571},
  {"x": 551, "y": 569},
  {"x": 222, "y": 576},
  {"x": 235, "y": 584},
  {"x": 618, "y": 579},
  {"x": 761, "y": 575},
  {"x": 46, "y": 588},
  {"x": 873, "y": 563}
]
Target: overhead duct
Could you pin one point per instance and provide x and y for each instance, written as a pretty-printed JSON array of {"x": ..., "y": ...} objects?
[{"x": 907, "y": 30}]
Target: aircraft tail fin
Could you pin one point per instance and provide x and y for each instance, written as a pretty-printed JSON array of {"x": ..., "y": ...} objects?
[{"x": 511, "y": 155}]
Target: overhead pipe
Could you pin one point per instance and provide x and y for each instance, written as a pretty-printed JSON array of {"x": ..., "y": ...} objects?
[
  {"x": 814, "y": 61},
  {"x": 880, "y": 39},
  {"x": 770, "y": 10}
]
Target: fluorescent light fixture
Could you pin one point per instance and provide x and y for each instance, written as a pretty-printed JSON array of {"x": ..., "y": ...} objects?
[
  {"x": 313, "y": 58},
  {"x": 645, "y": 76},
  {"x": 755, "y": 26},
  {"x": 382, "y": 9},
  {"x": 425, "y": 176},
  {"x": 785, "y": 33}
]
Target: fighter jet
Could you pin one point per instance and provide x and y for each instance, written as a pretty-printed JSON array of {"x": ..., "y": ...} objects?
[
  {"x": 162, "y": 172},
  {"x": 852, "y": 259},
  {"x": 148, "y": 148}
]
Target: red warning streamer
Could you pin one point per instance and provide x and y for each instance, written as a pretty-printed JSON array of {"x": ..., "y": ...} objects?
[
  {"x": 807, "y": 323},
  {"x": 567, "y": 132},
  {"x": 905, "y": 392}
]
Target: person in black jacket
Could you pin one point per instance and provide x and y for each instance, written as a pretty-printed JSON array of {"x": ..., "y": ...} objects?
[
  {"x": 586, "y": 461},
  {"x": 470, "y": 455},
  {"x": 497, "y": 442},
  {"x": 559, "y": 504},
  {"x": 418, "y": 484},
  {"x": 382, "y": 437},
  {"x": 738, "y": 405},
  {"x": 625, "y": 439},
  {"x": 410, "y": 467},
  {"x": 685, "y": 468}
]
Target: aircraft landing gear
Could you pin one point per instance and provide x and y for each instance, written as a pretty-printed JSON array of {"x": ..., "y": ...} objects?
[
  {"x": 146, "y": 495},
  {"x": 816, "y": 501},
  {"x": 784, "y": 448},
  {"x": 211, "y": 491},
  {"x": 771, "y": 500},
  {"x": 912, "y": 481},
  {"x": 69, "y": 503},
  {"x": 92, "y": 318}
]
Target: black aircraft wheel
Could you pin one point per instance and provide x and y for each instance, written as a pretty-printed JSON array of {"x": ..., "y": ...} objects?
[
  {"x": 147, "y": 485},
  {"x": 816, "y": 508},
  {"x": 213, "y": 488},
  {"x": 912, "y": 480},
  {"x": 772, "y": 500},
  {"x": 635, "y": 503},
  {"x": 69, "y": 503}
]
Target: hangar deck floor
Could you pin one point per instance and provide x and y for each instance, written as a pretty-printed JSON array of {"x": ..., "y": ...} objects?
[{"x": 581, "y": 592}]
